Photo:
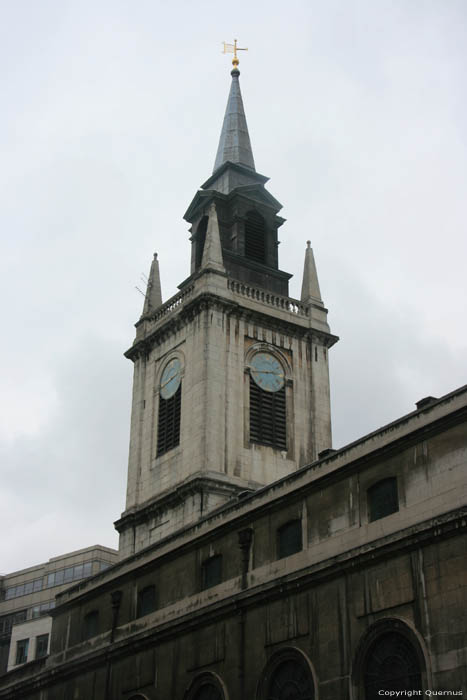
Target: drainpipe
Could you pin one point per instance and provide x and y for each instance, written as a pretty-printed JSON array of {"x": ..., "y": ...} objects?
[
  {"x": 244, "y": 540},
  {"x": 115, "y": 600}
]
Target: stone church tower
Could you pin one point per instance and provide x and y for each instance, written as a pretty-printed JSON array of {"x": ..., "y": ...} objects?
[{"x": 231, "y": 379}]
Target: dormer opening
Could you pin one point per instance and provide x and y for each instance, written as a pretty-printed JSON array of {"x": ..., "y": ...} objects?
[
  {"x": 200, "y": 239},
  {"x": 255, "y": 237}
]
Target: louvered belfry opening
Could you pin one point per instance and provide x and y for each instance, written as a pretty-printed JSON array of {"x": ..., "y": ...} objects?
[
  {"x": 255, "y": 237},
  {"x": 168, "y": 429},
  {"x": 200, "y": 240},
  {"x": 267, "y": 416}
]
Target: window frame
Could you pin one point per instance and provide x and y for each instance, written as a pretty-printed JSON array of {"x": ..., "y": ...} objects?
[
  {"x": 281, "y": 554},
  {"x": 39, "y": 640},
  {"x": 373, "y": 499},
  {"x": 213, "y": 559},
  {"x": 22, "y": 651},
  {"x": 142, "y": 605}
]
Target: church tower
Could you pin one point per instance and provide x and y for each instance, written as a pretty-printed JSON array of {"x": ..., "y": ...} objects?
[{"x": 231, "y": 380}]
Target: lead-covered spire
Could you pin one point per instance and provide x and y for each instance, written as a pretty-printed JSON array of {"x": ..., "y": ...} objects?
[{"x": 234, "y": 143}]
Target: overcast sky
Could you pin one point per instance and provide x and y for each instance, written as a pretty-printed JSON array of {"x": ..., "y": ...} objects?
[{"x": 110, "y": 119}]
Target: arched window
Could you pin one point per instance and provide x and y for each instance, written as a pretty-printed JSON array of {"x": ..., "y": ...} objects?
[
  {"x": 255, "y": 237},
  {"x": 200, "y": 240},
  {"x": 208, "y": 691},
  {"x": 206, "y": 686},
  {"x": 170, "y": 401},
  {"x": 146, "y": 601},
  {"x": 382, "y": 499},
  {"x": 289, "y": 538},
  {"x": 287, "y": 676},
  {"x": 267, "y": 401},
  {"x": 91, "y": 624},
  {"x": 391, "y": 663},
  {"x": 212, "y": 571}
]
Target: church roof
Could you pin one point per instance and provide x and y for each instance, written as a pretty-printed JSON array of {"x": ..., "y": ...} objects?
[{"x": 234, "y": 143}]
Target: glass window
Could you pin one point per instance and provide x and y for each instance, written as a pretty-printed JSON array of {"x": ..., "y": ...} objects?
[
  {"x": 50, "y": 580},
  {"x": 28, "y": 587},
  {"x": 291, "y": 679},
  {"x": 68, "y": 575},
  {"x": 289, "y": 539},
  {"x": 42, "y": 643},
  {"x": 391, "y": 664},
  {"x": 382, "y": 499},
  {"x": 212, "y": 571},
  {"x": 45, "y": 608},
  {"x": 20, "y": 616},
  {"x": 91, "y": 624},
  {"x": 19, "y": 590},
  {"x": 104, "y": 565},
  {"x": 37, "y": 585},
  {"x": 22, "y": 646},
  {"x": 36, "y": 611},
  {"x": 52, "y": 604},
  {"x": 10, "y": 592},
  {"x": 78, "y": 572},
  {"x": 146, "y": 601},
  {"x": 59, "y": 576},
  {"x": 87, "y": 568}
]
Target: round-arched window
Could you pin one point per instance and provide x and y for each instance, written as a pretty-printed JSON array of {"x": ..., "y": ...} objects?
[
  {"x": 290, "y": 681},
  {"x": 287, "y": 676},
  {"x": 391, "y": 663},
  {"x": 208, "y": 692},
  {"x": 207, "y": 686}
]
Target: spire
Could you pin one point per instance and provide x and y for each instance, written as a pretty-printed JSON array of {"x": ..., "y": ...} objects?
[
  {"x": 153, "y": 297},
  {"x": 310, "y": 284},
  {"x": 234, "y": 143},
  {"x": 212, "y": 252}
]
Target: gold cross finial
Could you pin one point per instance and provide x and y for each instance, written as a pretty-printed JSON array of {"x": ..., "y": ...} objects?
[{"x": 233, "y": 48}]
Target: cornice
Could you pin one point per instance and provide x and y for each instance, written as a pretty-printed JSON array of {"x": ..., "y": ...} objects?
[
  {"x": 175, "y": 496},
  {"x": 298, "y": 328}
]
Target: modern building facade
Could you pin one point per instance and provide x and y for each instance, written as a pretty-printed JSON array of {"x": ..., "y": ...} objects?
[
  {"x": 256, "y": 561},
  {"x": 28, "y": 596}
]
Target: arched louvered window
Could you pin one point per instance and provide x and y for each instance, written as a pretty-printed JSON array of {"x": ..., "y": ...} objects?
[
  {"x": 146, "y": 601},
  {"x": 200, "y": 240},
  {"x": 391, "y": 664},
  {"x": 255, "y": 237},
  {"x": 168, "y": 429},
  {"x": 382, "y": 499},
  {"x": 289, "y": 539},
  {"x": 268, "y": 416}
]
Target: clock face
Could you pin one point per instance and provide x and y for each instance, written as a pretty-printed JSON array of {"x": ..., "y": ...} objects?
[
  {"x": 171, "y": 377},
  {"x": 267, "y": 372}
]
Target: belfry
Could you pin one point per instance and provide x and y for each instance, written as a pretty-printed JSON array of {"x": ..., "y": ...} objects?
[{"x": 231, "y": 380}]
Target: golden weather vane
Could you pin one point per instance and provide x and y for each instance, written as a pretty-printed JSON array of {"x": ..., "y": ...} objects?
[{"x": 233, "y": 48}]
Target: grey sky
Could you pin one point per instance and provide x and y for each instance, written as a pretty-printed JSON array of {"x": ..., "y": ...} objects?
[{"x": 111, "y": 114}]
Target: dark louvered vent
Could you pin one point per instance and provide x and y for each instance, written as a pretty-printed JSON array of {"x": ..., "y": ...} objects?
[
  {"x": 267, "y": 416},
  {"x": 255, "y": 237},
  {"x": 168, "y": 430},
  {"x": 200, "y": 240}
]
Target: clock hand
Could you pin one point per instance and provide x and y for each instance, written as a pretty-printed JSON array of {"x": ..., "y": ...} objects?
[{"x": 169, "y": 380}]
